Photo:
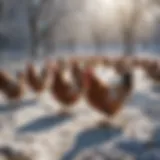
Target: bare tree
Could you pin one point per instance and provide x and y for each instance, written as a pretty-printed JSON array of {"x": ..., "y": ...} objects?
[
  {"x": 129, "y": 29},
  {"x": 47, "y": 34},
  {"x": 58, "y": 15},
  {"x": 35, "y": 8}
]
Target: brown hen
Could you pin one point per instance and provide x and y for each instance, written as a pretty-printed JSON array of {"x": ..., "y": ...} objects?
[
  {"x": 153, "y": 71},
  {"x": 67, "y": 91},
  {"x": 122, "y": 66},
  {"x": 38, "y": 82},
  {"x": 12, "y": 89},
  {"x": 107, "y": 99}
]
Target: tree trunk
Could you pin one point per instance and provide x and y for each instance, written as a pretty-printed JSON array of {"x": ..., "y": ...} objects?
[
  {"x": 129, "y": 42},
  {"x": 34, "y": 36}
]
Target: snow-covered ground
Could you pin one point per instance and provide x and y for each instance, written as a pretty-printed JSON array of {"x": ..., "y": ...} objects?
[{"x": 36, "y": 128}]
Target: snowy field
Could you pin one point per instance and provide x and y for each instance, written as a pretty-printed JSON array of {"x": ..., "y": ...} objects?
[{"x": 36, "y": 129}]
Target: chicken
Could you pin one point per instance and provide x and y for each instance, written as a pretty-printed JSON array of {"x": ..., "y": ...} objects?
[
  {"x": 135, "y": 61},
  {"x": 67, "y": 85},
  {"x": 153, "y": 71},
  {"x": 104, "y": 98},
  {"x": 39, "y": 82},
  {"x": 122, "y": 64},
  {"x": 141, "y": 62},
  {"x": 4, "y": 77},
  {"x": 106, "y": 61},
  {"x": 12, "y": 89}
]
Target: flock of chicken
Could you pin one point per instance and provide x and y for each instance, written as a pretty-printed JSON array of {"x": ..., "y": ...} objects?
[{"x": 69, "y": 79}]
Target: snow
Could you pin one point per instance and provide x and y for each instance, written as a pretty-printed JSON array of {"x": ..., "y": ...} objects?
[{"x": 36, "y": 128}]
